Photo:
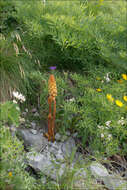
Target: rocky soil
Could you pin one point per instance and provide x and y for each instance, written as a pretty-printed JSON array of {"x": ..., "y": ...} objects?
[{"x": 56, "y": 160}]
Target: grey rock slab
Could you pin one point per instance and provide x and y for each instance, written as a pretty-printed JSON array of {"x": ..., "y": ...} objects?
[
  {"x": 80, "y": 184},
  {"x": 98, "y": 170},
  {"x": 36, "y": 114},
  {"x": 31, "y": 140},
  {"x": 75, "y": 134},
  {"x": 34, "y": 110},
  {"x": 81, "y": 173},
  {"x": 114, "y": 183},
  {"x": 68, "y": 133},
  {"x": 55, "y": 149},
  {"x": 68, "y": 147},
  {"x": 79, "y": 180},
  {"x": 46, "y": 164},
  {"x": 33, "y": 131},
  {"x": 33, "y": 124},
  {"x": 64, "y": 138},
  {"x": 57, "y": 137}
]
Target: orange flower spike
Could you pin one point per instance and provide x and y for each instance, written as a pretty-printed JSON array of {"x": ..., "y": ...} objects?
[
  {"x": 52, "y": 86},
  {"x": 52, "y": 94}
]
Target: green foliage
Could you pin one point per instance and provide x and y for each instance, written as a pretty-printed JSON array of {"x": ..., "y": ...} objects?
[
  {"x": 10, "y": 112},
  {"x": 73, "y": 34},
  {"x": 81, "y": 108}
]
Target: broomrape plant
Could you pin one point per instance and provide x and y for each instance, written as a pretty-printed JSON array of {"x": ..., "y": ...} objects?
[{"x": 51, "y": 98}]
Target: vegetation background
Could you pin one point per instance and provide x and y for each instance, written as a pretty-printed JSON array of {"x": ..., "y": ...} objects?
[{"x": 86, "y": 41}]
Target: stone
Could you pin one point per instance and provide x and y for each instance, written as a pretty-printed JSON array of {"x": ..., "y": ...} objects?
[
  {"x": 55, "y": 149},
  {"x": 68, "y": 133},
  {"x": 34, "y": 110},
  {"x": 31, "y": 140},
  {"x": 64, "y": 138},
  {"x": 81, "y": 173},
  {"x": 24, "y": 113},
  {"x": 111, "y": 182},
  {"x": 57, "y": 137},
  {"x": 68, "y": 147},
  {"x": 33, "y": 124},
  {"x": 36, "y": 114},
  {"x": 98, "y": 170},
  {"x": 79, "y": 179},
  {"x": 46, "y": 164},
  {"x": 33, "y": 131},
  {"x": 75, "y": 134},
  {"x": 114, "y": 182}
]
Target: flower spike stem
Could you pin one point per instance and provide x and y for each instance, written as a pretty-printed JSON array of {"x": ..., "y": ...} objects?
[{"x": 51, "y": 117}]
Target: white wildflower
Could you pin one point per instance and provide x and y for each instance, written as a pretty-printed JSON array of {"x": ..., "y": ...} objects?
[
  {"x": 108, "y": 123},
  {"x": 17, "y": 108},
  {"x": 109, "y": 137},
  {"x": 18, "y": 96},
  {"x": 71, "y": 100},
  {"x": 100, "y": 127},
  {"x": 15, "y": 94},
  {"x": 107, "y": 77},
  {"x": 102, "y": 135},
  {"x": 14, "y": 101},
  {"x": 22, "y": 120},
  {"x": 121, "y": 121},
  {"x": 26, "y": 110}
]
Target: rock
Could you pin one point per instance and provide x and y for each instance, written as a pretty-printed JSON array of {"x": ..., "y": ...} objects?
[
  {"x": 79, "y": 179},
  {"x": 33, "y": 131},
  {"x": 79, "y": 184},
  {"x": 98, "y": 170},
  {"x": 57, "y": 137},
  {"x": 46, "y": 164},
  {"x": 24, "y": 113},
  {"x": 75, "y": 135},
  {"x": 68, "y": 147},
  {"x": 68, "y": 133},
  {"x": 31, "y": 140},
  {"x": 55, "y": 149},
  {"x": 113, "y": 183},
  {"x": 36, "y": 114},
  {"x": 63, "y": 138},
  {"x": 33, "y": 124},
  {"x": 34, "y": 110},
  {"x": 81, "y": 173}
]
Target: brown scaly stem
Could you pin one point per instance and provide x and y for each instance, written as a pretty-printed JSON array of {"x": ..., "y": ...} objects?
[
  {"x": 51, "y": 116},
  {"x": 53, "y": 120}
]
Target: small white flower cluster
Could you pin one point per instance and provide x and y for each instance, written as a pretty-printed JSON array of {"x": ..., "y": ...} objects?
[
  {"x": 105, "y": 134},
  {"x": 109, "y": 136},
  {"x": 19, "y": 97},
  {"x": 121, "y": 121},
  {"x": 71, "y": 100},
  {"x": 107, "y": 79}
]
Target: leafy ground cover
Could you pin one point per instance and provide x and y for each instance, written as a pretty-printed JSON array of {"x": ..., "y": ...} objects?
[{"x": 87, "y": 43}]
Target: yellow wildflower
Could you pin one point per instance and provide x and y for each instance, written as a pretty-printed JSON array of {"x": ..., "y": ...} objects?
[
  {"x": 125, "y": 98},
  {"x": 120, "y": 81},
  {"x": 98, "y": 90},
  {"x": 10, "y": 174},
  {"x": 109, "y": 97},
  {"x": 101, "y": 1},
  {"x": 124, "y": 76},
  {"x": 119, "y": 103},
  {"x": 98, "y": 78}
]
